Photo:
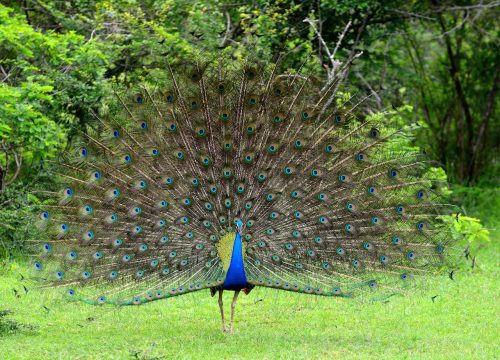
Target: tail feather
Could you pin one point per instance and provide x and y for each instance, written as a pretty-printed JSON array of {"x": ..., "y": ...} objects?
[{"x": 332, "y": 202}]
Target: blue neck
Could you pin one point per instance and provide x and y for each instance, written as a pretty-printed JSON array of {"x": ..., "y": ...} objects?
[{"x": 235, "y": 277}]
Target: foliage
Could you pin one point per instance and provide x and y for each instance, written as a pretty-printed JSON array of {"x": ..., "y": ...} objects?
[
  {"x": 17, "y": 207},
  {"x": 481, "y": 201},
  {"x": 433, "y": 55},
  {"x": 446, "y": 64},
  {"x": 48, "y": 80},
  {"x": 59, "y": 59},
  {"x": 468, "y": 231}
]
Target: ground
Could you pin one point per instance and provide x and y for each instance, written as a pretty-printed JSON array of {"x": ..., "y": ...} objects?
[{"x": 461, "y": 323}]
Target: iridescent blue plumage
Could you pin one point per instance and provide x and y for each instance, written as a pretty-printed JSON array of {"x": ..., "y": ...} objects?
[{"x": 235, "y": 277}]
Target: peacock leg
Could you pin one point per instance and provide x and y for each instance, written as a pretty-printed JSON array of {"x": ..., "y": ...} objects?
[
  {"x": 222, "y": 310},
  {"x": 233, "y": 306}
]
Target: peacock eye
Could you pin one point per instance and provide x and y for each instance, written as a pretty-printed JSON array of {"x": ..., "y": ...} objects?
[
  {"x": 250, "y": 74},
  {"x": 83, "y": 152},
  {"x": 139, "y": 98}
]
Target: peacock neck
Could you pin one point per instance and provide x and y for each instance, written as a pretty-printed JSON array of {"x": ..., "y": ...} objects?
[{"x": 236, "y": 278}]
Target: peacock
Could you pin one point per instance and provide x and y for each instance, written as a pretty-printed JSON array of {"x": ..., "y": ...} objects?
[{"x": 226, "y": 174}]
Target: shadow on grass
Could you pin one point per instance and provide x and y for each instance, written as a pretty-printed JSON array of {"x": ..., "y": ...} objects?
[{"x": 9, "y": 327}]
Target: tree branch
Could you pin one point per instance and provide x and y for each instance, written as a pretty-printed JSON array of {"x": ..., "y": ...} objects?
[
  {"x": 19, "y": 161},
  {"x": 331, "y": 72},
  {"x": 228, "y": 29},
  {"x": 455, "y": 75},
  {"x": 374, "y": 93}
]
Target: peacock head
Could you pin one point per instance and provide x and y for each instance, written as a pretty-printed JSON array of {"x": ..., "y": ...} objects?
[{"x": 239, "y": 225}]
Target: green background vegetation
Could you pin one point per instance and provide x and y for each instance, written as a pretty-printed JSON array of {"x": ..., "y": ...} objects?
[{"x": 59, "y": 60}]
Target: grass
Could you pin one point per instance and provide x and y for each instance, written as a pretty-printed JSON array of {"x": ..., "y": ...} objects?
[{"x": 461, "y": 323}]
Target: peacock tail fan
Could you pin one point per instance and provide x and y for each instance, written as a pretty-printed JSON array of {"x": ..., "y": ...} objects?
[{"x": 330, "y": 201}]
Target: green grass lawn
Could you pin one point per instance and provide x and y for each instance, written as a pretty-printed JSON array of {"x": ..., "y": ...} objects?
[{"x": 462, "y": 322}]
